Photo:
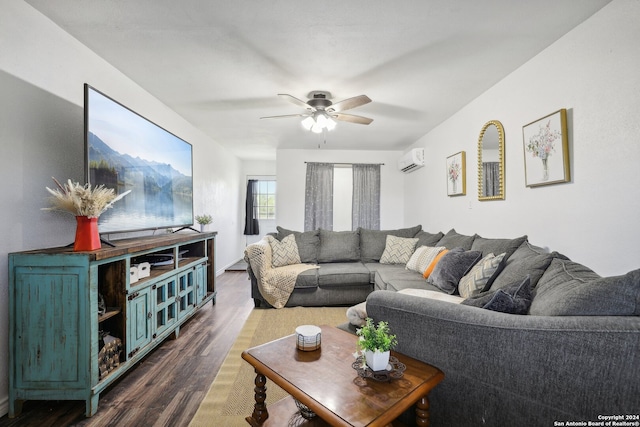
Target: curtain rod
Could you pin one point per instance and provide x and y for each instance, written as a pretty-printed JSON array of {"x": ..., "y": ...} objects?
[{"x": 349, "y": 164}]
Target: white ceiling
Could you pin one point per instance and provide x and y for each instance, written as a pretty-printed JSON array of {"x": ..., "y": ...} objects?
[{"x": 221, "y": 63}]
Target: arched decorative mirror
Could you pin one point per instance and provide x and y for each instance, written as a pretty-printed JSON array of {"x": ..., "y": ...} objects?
[{"x": 491, "y": 161}]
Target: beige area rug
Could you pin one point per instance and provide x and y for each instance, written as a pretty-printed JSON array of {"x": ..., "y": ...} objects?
[{"x": 231, "y": 398}]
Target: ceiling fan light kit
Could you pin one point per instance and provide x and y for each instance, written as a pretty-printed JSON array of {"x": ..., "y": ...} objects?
[{"x": 322, "y": 113}]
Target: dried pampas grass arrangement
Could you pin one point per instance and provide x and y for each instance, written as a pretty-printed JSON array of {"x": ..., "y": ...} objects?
[{"x": 82, "y": 200}]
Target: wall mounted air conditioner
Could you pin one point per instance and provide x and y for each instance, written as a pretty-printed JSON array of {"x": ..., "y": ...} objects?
[{"x": 412, "y": 160}]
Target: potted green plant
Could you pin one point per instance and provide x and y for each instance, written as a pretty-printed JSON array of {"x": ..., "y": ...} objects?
[
  {"x": 376, "y": 342},
  {"x": 203, "y": 220}
]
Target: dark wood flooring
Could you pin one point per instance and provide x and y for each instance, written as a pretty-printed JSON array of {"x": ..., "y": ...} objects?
[{"x": 166, "y": 388}]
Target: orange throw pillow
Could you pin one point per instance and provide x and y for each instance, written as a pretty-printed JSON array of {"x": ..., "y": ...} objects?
[{"x": 429, "y": 269}]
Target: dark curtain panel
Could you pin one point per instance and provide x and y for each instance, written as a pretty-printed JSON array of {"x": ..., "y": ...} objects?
[
  {"x": 318, "y": 200},
  {"x": 251, "y": 226},
  {"x": 365, "y": 208}
]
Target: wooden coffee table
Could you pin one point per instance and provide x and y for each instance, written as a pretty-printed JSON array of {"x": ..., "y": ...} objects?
[{"x": 326, "y": 383}]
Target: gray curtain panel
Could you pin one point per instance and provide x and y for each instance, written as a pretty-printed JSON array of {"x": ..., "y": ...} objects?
[
  {"x": 318, "y": 201},
  {"x": 491, "y": 173},
  {"x": 365, "y": 210}
]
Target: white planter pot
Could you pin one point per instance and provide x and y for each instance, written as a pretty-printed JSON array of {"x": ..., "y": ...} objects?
[{"x": 376, "y": 360}]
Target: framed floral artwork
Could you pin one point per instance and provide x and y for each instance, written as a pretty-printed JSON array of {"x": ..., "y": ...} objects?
[
  {"x": 546, "y": 150},
  {"x": 456, "y": 175}
]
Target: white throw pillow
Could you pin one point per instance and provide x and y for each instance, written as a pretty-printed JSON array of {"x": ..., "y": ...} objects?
[
  {"x": 422, "y": 258},
  {"x": 284, "y": 252},
  {"x": 398, "y": 250}
]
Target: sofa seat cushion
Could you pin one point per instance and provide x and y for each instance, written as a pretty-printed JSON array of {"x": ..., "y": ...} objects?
[
  {"x": 307, "y": 279},
  {"x": 339, "y": 246},
  {"x": 373, "y": 242},
  {"x": 343, "y": 274},
  {"x": 376, "y": 266},
  {"x": 571, "y": 289},
  {"x": 401, "y": 284}
]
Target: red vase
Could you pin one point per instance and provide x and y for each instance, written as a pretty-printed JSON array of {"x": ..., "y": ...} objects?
[{"x": 87, "y": 236}]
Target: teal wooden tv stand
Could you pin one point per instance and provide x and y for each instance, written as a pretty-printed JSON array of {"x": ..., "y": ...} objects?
[{"x": 54, "y": 321}]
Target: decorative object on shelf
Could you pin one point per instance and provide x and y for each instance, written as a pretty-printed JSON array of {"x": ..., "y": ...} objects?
[
  {"x": 394, "y": 369},
  {"x": 376, "y": 342},
  {"x": 456, "y": 174},
  {"x": 305, "y": 412},
  {"x": 309, "y": 337},
  {"x": 546, "y": 150},
  {"x": 491, "y": 161},
  {"x": 86, "y": 204},
  {"x": 203, "y": 220}
]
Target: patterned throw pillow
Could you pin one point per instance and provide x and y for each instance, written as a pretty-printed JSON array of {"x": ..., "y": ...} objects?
[
  {"x": 284, "y": 252},
  {"x": 398, "y": 250},
  {"x": 478, "y": 279},
  {"x": 422, "y": 258}
]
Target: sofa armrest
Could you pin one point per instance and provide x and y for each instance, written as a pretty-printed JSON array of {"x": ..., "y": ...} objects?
[{"x": 502, "y": 367}]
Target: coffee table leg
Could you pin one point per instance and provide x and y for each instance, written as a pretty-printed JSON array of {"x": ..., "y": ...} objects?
[
  {"x": 422, "y": 412},
  {"x": 260, "y": 413}
]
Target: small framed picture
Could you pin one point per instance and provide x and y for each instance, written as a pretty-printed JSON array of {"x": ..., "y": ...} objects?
[
  {"x": 546, "y": 150},
  {"x": 456, "y": 175}
]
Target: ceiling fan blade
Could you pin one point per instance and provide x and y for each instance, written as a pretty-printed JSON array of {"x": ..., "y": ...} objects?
[
  {"x": 295, "y": 100},
  {"x": 285, "y": 116},
  {"x": 349, "y": 103},
  {"x": 351, "y": 118}
]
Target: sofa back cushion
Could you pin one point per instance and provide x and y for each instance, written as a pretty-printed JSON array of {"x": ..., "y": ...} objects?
[
  {"x": 428, "y": 239},
  {"x": 339, "y": 246},
  {"x": 526, "y": 260},
  {"x": 571, "y": 289},
  {"x": 308, "y": 243},
  {"x": 373, "y": 242},
  {"x": 453, "y": 239},
  {"x": 497, "y": 246}
]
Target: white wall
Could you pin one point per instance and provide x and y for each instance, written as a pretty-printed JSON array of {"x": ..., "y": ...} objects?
[
  {"x": 42, "y": 72},
  {"x": 593, "y": 73},
  {"x": 291, "y": 173}
]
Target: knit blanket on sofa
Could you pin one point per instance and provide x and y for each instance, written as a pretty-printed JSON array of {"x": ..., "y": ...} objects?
[{"x": 275, "y": 283}]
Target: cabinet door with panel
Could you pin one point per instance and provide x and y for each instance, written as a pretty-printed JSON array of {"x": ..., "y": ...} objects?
[{"x": 138, "y": 320}]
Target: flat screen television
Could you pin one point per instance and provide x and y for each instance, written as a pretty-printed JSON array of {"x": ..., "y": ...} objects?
[{"x": 125, "y": 151}]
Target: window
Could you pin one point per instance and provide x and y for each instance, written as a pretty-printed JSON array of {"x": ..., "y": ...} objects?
[{"x": 265, "y": 199}]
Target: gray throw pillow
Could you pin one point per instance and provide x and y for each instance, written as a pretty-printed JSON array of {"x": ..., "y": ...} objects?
[
  {"x": 373, "y": 242},
  {"x": 339, "y": 246},
  {"x": 497, "y": 246},
  {"x": 455, "y": 240},
  {"x": 526, "y": 260},
  {"x": 308, "y": 243},
  {"x": 454, "y": 264},
  {"x": 513, "y": 299},
  {"x": 571, "y": 289}
]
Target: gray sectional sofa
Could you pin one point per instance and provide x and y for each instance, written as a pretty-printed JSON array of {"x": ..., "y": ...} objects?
[{"x": 574, "y": 358}]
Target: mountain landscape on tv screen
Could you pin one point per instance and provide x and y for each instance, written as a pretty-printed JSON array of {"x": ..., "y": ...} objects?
[{"x": 109, "y": 167}]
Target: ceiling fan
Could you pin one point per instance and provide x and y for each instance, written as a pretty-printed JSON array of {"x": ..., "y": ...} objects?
[{"x": 321, "y": 112}]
